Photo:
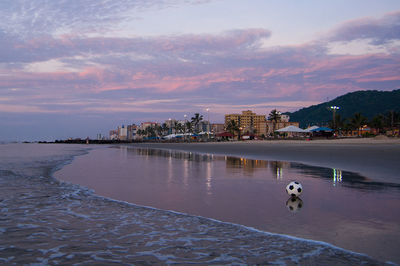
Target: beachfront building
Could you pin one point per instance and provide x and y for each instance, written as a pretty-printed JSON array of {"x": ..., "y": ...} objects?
[
  {"x": 131, "y": 132},
  {"x": 203, "y": 126},
  {"x": 147, "y": 130},
  {"x": 284, "y": 118},
  {"x": 145, "y": 125},
  {"x": 172, "y": 125},
  {"x": 113, "y": 134},
  {"x": 122, "y": 132},
  {"x": 248, "y": 122},
  {"x": 217, "y": 128}
]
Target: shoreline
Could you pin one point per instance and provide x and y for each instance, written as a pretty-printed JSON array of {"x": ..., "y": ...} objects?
[{"x": 373, "y": 158}]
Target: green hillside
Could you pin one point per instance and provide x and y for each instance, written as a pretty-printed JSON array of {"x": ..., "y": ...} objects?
[{"x": 368, "y": 103}]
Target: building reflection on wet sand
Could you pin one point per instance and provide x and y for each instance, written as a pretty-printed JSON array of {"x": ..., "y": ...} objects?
[
  {"x": 250, "y": 165},
  {"x": 277, "y": 168},
  {"x": 247, "y": 165},
  {"x": 189, "y": 156}
]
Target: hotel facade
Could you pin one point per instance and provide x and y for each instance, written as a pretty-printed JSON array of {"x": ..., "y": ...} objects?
[{"x": 251, "y": 123}]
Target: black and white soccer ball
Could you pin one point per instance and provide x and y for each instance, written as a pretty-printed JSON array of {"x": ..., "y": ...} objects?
[
  {"x": 294, "y": 189},
  {"x": 294, "y": 204}
]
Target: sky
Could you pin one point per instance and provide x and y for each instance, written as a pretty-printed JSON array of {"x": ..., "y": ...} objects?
[{"x": 76, "y": 68}]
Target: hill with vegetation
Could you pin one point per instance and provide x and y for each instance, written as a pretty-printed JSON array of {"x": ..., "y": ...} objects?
[{"x": 369, "y": 103}]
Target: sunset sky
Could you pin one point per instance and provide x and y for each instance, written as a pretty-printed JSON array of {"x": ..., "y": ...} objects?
[{"x": 75, "y": 68}]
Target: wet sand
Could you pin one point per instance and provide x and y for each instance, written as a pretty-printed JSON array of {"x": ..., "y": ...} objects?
[
  {"x": 250, "y": 193},
  {"x": 372, "y": 157}
]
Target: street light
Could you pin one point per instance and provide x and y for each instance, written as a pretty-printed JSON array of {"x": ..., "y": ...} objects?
[
  {"x": 334, "y": 108},
  {"x": 184, "y": 128},
  {"x": 208, "y": 122}
]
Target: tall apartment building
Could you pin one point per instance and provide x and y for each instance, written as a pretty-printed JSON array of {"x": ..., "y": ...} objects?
[
  {"x": 171, "y": 124},
  {"x": 252, "y": 123},
  {"x": 248, "y": 122},
  {"x": 217, "y": 128},
  {"x": 113, "y": 135},
  {"x": 145, "y": 125},
  {"x": 122, "y": 132},
  {"x": 131, "y": 132}
]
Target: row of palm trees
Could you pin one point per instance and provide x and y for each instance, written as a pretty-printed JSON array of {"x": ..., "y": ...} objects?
[
  {"x": 191, "y": 126},
  {"x": 380, "y": 122}
]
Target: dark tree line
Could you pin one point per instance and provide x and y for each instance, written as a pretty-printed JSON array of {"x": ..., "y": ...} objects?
[{"x": 380, "y": 122}]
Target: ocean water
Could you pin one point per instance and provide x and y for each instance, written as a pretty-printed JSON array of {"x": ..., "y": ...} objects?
[{"x": 47, "y": 221}]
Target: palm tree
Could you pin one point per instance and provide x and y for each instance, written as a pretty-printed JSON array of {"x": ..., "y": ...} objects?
[
  {"x": 232, "y": 127},
  {"x": 377, "y": 122},
  {"x": 150, "y": 131},
  {"x": 174, "y": 126},
  {"x": 179, "y": 127},
  {"x": 357, "y": 121},
  {"x": 392, "y": 119},
  {"x": 275, "y": 117},
  {"x": 188, "y": 126},
  {"x": 347, "y": 125},
  {"x": 159, "y": 130},
  {"x": 165, "y": 128},
  {"x": 140, "y": 132},
  {"x": 196, "y": 120},
  {"x": 339, "y": 122}
]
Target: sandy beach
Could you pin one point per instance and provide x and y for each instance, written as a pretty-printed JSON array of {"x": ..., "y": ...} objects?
[
  {"x": 376, "y": 158},
  {"x": 46, "y": 221}
]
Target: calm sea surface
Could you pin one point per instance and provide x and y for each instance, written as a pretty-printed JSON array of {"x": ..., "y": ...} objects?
[{"x": 342, "y": 208}]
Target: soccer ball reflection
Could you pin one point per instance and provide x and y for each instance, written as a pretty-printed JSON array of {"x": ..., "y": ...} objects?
[
  {"x": 294, "y": 189},
  {"x": 294, "y": 204}
]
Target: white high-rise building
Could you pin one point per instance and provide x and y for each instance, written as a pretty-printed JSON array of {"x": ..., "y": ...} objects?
[{"x": 122, "y": 132}]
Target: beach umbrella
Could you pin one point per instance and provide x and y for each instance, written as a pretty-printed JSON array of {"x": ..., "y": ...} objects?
[
  {"x": 311, "y": 128},
  {"x": 171, "y": 136},
  {"x": 204, "y": 133},
  {"x": 291, "y": 129},
  {"x": 319, "y": 129}
]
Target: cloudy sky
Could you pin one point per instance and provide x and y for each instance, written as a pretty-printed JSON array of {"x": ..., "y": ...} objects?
[{"x": 75, "y": 68}]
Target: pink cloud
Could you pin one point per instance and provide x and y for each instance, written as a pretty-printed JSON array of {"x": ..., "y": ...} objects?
[
  {"x": 166, "y": 84},
  {"x": 230, "y": 67},
  {"x": 313, "y": 77},
  {"x": 379, "y": 31}
]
